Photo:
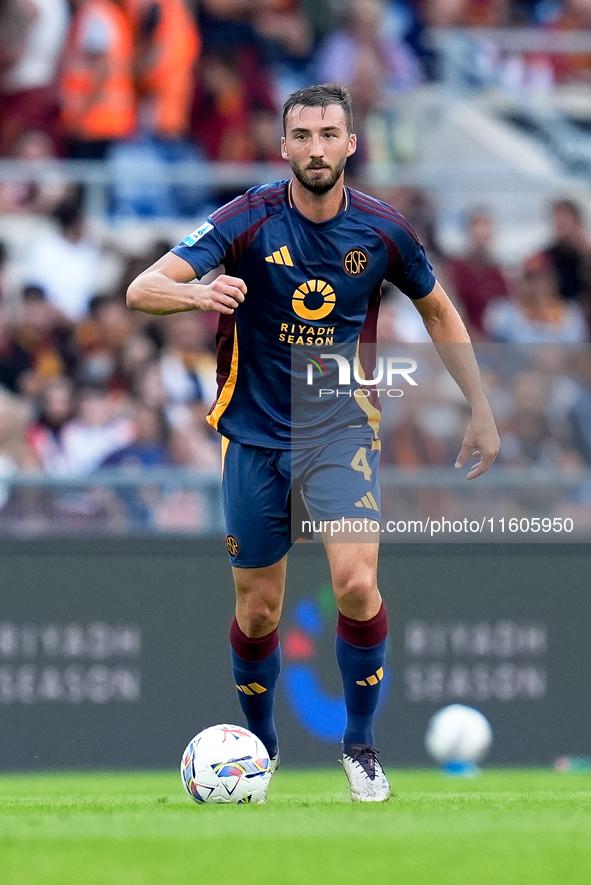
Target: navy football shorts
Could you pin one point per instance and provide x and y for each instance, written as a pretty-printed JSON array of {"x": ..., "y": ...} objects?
[{"x": 263, "y": 490}]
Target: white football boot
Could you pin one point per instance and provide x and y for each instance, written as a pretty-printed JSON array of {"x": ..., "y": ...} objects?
[
  {"x": 365, "y": 774},
  {"x": 274, "y": 765}
]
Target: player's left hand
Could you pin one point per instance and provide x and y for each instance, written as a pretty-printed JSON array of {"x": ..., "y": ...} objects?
[{"x": 481, "y": 438}]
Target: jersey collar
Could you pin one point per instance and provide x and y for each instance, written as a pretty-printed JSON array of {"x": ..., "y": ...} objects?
[{"x": 321, "y": 225}]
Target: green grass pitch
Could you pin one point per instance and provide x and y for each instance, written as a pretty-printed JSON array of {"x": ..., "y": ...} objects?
[{"x": 505, "y": 827}]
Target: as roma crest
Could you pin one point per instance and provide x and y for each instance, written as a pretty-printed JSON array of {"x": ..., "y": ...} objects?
[
  {"x": 355, "y": 261},
  {"x": 232, "y": 545}
]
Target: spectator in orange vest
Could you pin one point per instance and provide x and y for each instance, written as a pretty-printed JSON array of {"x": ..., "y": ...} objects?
[
  {"x": 167, "y": 46},
  {"x": 98, "y": 98}
]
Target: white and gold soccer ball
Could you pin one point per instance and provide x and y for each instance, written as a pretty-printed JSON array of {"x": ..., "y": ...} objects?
[
  {"x": 226, "y": 764},
  {"x": 458, "y": 734}
]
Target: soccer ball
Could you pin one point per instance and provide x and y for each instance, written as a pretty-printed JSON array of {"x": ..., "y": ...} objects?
[
  {"x": 458, "y": 734},
  {"x": 226, "y": 764}
]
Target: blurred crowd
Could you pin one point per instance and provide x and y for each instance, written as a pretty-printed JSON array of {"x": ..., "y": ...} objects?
[
  {"x": 176, "y": 79},
  {"x": 531, "y": 326},
  {"x": 86, "y": 384},
  {"x": 544, "y": 300},
  {"x": 94, "y": 383},
  {"x": 191, "y": 80}
]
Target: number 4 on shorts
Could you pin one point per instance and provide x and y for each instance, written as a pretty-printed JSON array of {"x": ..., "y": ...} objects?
[{"x": 360, "y": 464}]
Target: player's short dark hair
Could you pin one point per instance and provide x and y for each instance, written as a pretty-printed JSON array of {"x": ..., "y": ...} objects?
[{"x": 320, "y": 97}]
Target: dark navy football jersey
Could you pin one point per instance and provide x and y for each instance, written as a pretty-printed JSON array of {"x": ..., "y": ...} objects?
[{"x": 311, "y": 287}]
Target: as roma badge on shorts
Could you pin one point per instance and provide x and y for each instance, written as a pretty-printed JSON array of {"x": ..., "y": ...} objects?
[
  {"x": 232, "y": 545},
  {"x": 355, "y": 261}
]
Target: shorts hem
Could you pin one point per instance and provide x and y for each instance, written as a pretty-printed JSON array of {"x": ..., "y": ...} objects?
[{"x": 262, "y": 563}]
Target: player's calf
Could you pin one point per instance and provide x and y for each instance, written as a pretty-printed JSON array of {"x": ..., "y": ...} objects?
[
  {"x": 361, "y": 655},
  {"x": 256, "y": 664}
]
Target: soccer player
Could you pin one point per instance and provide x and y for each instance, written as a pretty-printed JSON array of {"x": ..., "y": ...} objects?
[{"x": 304, "y": 260}]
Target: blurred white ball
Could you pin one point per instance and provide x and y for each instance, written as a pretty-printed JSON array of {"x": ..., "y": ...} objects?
[{"x": 458, "y": 734}]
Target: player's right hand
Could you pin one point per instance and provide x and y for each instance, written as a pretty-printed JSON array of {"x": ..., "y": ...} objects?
[{"x": 223, "y": 295}]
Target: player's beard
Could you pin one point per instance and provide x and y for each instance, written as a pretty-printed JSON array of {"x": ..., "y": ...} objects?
[{"x": 314, "y": 184}]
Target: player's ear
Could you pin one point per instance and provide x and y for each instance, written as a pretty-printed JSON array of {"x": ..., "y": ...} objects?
[
  {"x": 352, "y": 144},
  {"x": 283, "y": 149}
]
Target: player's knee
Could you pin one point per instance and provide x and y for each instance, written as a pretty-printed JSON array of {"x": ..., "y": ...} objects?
[
  {"x": 355, "y": 593},
  {"x": 260, "y": 612},
  {"x": 260, "y": 620}
]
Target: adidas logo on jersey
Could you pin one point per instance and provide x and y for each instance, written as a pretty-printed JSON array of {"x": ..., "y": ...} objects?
[
  {"x": 281, "y": 256},
  {"x": 368, "y": 501}
]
